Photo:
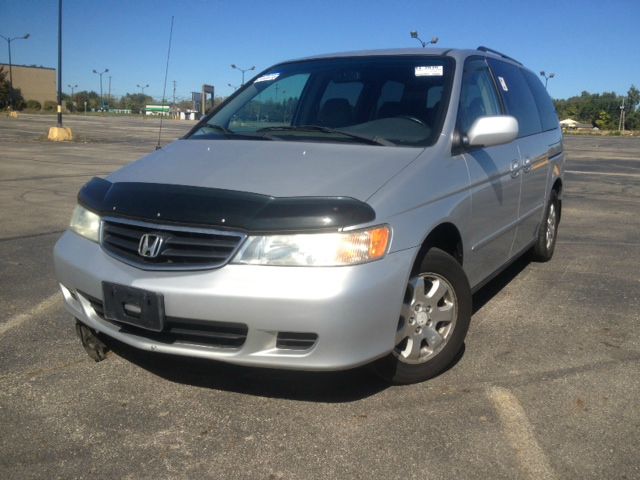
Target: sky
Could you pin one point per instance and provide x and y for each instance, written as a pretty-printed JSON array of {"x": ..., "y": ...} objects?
[{"x": 591, "y": 45}]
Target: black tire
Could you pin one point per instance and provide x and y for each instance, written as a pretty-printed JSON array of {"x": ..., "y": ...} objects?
[
  {"x": 545, "y": 245},
  {"x": 94, "y": 347},
  {"x": 395, "y": 368}
]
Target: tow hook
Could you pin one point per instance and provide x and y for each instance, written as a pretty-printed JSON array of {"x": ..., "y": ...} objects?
[{"x": 91, "y": 343}]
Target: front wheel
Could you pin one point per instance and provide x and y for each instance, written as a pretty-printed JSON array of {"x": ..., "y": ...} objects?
[{"x": 433, "y": 322}]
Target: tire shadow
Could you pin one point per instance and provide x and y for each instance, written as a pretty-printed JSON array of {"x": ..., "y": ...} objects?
[
  {"x": 328, "y": 387},
  {"x": 493, "y": 287}
]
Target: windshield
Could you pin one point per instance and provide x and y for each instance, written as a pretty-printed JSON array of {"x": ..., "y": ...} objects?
[{"x": 382, "y": 100}]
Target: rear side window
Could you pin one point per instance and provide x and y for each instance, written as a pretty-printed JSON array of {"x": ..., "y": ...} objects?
[
  {"x": 547, "y": 111},
  {"x": 517, "y": 96}
]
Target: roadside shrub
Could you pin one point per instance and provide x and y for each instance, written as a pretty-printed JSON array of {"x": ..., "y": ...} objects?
[
  {"x": 34, "y": 105},
  {"x": 615, "y": 133},
  {"x": 50, "y": 106}
]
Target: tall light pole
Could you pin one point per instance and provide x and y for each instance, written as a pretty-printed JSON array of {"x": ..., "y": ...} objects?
[
  {"x": 546, "y": 77},
  {"x": 9, "y": 40},
  {"x": 433, "y": 40},
  {"x": 243, "y": 70},
  {"x": 101, "y": 73},
  {"x": 109, "y": 95},
  {"x": 142, "y": 87},
  {"x": 72, "y": 87}
]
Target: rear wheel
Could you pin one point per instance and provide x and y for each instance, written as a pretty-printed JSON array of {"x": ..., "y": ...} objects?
[
  {"x": 433, "y": 322},
  {"x": 545, "y": 244}
]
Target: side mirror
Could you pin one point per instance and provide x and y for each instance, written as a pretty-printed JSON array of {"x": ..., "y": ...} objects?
[{"x": 489, "y": 131}]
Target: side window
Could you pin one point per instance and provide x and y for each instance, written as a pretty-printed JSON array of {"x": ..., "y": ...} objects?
[
  {"x": 517, "y": 97},
  {"x": 547, "y": 111},
  {"x": 478, "y": 97}
]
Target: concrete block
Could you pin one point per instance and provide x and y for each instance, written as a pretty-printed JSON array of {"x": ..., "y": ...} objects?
[{"x": 60, "y": 134}]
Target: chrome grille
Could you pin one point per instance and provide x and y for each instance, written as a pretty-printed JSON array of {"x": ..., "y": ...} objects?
[{"x": 183, "y": 248}]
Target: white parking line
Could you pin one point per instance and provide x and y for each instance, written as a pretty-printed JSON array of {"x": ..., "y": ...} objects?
[
  {"x": 20, "y": 318},
  {"x": 607, "y": 174},
  {"x": 519, "y": 433}
]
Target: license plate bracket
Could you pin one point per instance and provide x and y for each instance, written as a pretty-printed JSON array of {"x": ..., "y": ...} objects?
[{"x": 133, "y": 306}]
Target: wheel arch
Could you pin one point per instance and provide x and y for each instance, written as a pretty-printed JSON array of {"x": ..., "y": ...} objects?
[
  {"x": 445, "y": 236},
  {"x": 558, "y": 187}
]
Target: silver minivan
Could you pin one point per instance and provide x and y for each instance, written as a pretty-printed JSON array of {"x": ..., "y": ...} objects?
[{"x": 335, "y": 211}]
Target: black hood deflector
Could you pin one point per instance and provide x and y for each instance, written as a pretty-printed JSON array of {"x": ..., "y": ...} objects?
[{"x": 212, "y": 207}]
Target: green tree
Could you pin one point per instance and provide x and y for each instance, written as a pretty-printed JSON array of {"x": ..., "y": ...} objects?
[
  {"x": 135, "y": 102},
  {"x": 633, "y": 121},
  {"x": 6, "y": 93},
  {"x": 599, "y": 109},
  {"x": 92, "y": 99},
  {"x": 603, "y": 122},
  {"x": 633, "y": 98}
]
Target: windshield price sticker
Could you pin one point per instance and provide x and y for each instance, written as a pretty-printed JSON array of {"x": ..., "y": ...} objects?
[
  {"x": 503, "y": 84},
  {"x": 430, "y": 71},
  {"x": 267, "y": 78}
]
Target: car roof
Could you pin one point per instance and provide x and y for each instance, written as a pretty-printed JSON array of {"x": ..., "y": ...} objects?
[{"x": 457, "y": 53}]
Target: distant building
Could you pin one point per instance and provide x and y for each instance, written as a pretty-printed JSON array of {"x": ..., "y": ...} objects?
[
  {"x": 570, "y": 124},
  {"x": 156, "y": 109},
  {"x": 35, "y": 83}
]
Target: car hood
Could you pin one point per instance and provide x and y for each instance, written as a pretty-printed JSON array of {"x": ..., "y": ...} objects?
[{"x": 274, "y": 168}]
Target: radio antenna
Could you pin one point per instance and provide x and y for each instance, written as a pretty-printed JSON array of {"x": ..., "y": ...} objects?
[{"x": 164, "y": 89}]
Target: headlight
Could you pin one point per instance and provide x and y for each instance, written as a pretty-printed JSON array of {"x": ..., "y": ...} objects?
[
  {"x": 316, "y": 249},
  {"x": 85, "y": 223}
]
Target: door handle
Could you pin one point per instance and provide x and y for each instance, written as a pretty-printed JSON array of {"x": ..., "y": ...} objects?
[
  {"x": 527, "y": 165},
  {"x": 515, "y": 168}
]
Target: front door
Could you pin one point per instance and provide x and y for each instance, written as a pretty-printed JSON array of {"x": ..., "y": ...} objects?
[{"x": 494, "y": 174}]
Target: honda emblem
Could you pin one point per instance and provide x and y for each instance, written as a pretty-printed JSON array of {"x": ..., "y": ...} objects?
[{"x": 150, "y": 245}]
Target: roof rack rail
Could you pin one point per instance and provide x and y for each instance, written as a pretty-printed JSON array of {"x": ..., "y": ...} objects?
[{"x": 491, "y": 50}]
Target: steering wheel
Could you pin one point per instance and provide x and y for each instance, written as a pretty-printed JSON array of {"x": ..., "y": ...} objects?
[{"x": 413, "y": 119}]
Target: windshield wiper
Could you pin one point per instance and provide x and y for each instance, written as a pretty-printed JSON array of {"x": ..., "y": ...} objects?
[
  {"x": 318, "y": 128},
  {"x": 231, "y": 134}
]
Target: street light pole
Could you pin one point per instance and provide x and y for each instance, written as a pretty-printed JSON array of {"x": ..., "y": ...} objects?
[
  {"x": 9, "y": 40},
  {"x": 546, "y": 77},
  {"x": 60, "y": 63},
  {"x": 109, "y": 95},
  {"x": 101, "y": 73},
  {"x": 142, "y": 87},
  {"x": 72, "y": 87},
  {"x": 433, "y": 40},
  {"x": 243, "y": 70}
]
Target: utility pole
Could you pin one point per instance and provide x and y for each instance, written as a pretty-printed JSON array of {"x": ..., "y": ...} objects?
[
  {"x": 109, "y": 95},
  {"x": 175, "y": 110},
  {"x": 622, "y": 115}
]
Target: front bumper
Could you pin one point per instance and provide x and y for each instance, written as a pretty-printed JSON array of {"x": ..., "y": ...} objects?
[{"x": 353, "y": 310}]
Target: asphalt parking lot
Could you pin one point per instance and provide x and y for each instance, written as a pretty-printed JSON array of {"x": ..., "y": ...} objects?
[{"x": 547, "y": 387}]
